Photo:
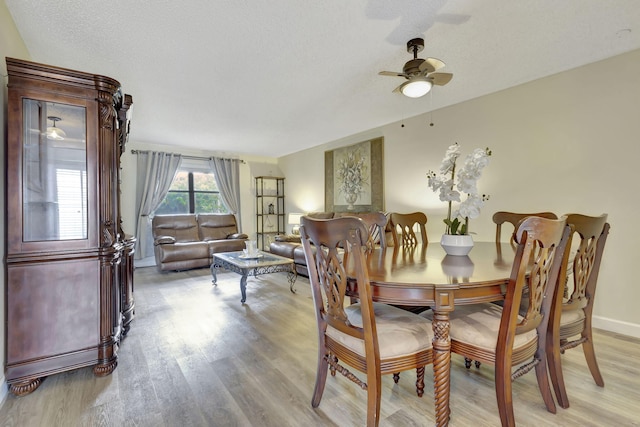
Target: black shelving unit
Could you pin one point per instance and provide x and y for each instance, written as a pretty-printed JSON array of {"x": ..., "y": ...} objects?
[{"x": 270, "y": 217}]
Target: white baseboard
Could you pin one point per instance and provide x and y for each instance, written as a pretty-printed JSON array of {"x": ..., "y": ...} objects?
[{"x": 617, "y": 326}]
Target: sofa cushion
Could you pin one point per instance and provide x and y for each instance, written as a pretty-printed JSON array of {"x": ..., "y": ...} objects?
[
  {"x": 216, "y": 226},
  {"x": 183, "y": 228}
]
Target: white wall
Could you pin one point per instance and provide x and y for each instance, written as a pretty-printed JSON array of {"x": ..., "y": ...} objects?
[
  {"x": 566, "y": 143},
  {"x": 11, "y": 45}
]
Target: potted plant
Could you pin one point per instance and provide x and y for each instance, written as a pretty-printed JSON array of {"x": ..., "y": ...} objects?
[{"x": 451, "y": 183}]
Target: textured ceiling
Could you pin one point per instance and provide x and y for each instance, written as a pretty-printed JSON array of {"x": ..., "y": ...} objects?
[{"x": 275, "y": 77}]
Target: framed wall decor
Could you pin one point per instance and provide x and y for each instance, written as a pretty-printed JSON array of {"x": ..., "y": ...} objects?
[{"x": 353, "y": 177}]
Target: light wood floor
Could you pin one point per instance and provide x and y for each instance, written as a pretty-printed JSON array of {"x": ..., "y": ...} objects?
[{"x": 196, "y": 357}]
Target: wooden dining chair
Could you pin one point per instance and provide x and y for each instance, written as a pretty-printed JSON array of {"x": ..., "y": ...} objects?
[
  {"x": 514, "y": 218},
  {"x": 407, "y": 224},
  {"x": 372, "y": 338},
  {"x": 407, "y": 238},
  {"x": 376, "y": 223},
  {"x": 500, "y": 335},
  {"x": 575, "y": 309}
]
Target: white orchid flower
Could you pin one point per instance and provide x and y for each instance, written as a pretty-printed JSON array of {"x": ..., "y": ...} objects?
[{"x": 450, "y": 183}]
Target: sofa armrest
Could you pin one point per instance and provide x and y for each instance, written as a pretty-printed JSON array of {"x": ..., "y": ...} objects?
[
  {"x": 164, "y": 240},
  {"x": 237, "y": 236},
  {"x": 288, "y": 238}
]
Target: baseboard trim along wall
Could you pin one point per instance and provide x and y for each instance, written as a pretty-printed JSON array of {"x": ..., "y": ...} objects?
[{"x": 617, "y": 326}]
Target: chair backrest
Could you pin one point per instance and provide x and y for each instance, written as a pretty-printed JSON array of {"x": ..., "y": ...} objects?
[
  {"x": 541, "y": 244},
  {"x": 323, "y": 242},
  {"x": 590, "y": 235},
  {"x": 376, "y": 223},
  {"x": 514, "y": 218},
  {"x": 407, "y": 222}
]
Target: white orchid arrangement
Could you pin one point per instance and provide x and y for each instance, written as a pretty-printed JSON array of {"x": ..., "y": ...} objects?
[{"x": 451, "y": 183}]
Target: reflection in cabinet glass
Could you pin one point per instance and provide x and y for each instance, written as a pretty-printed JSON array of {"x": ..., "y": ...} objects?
[{"x": 54, "y": 172}]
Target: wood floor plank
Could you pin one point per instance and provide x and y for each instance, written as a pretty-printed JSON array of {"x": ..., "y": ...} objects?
[{"x": 195, "y": 356}]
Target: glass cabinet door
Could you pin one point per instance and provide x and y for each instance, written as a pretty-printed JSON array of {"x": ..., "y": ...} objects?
[{"x": 54, "y": 169}]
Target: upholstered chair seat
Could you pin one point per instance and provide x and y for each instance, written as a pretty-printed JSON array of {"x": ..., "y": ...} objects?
[
  {"x": 400, "y": 333},
  {"x": 479, "y": 325},
  {"x": 570, "y": 317}
]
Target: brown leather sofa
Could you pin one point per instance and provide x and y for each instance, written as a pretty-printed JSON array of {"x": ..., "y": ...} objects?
[
  {"x": 291, "y": 246},
  {"x": 186, "y": 241}
]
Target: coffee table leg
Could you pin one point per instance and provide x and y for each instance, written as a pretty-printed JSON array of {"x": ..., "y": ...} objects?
[
  {"x": 214, "y": 267},
  {"x": 243, "y": 286},
  {"x": 291, "y": 277}
]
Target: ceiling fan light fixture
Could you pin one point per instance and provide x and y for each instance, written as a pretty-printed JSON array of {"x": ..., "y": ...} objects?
[
  {"x": 415, "y": 88},
  {"x": 54, "y": 132}
]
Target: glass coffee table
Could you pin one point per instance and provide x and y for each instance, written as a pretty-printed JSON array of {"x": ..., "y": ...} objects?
[{"x": 260, "y": 263}]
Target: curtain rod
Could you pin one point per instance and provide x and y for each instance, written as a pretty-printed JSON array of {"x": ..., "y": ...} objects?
[{"x": 189, "y": 157}]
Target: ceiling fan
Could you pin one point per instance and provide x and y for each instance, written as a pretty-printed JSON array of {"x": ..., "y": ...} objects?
[{"x": 420, "y": 73}]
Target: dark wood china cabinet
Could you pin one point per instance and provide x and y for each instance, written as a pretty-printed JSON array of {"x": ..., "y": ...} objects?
[{"x": 69, "y": 265}]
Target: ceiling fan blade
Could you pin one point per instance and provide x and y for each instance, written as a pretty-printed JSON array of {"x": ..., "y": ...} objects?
[
  {"x": 440, "y": 79},
  {"x": 392, "y": 74},
  {"x": 397, "y": 90},
  {"x": 431, "y": 64}
]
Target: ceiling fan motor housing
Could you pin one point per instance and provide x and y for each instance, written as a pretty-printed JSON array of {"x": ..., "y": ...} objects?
[
  {"x": 412, "y": 67},
  {"x": 414, "y": 46}
]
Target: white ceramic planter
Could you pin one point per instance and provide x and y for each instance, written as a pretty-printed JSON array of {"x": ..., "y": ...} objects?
[{"x": 454, "y": 244}]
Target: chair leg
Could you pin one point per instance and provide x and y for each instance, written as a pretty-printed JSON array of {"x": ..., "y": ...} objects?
[
  {"x": 420, "y": 381},
  {"x": 504, "y": 394},
  {"x": 374, "y": 393},
  {"x": 321, "y": 378},
  {"x": 590, "y": 356},
  {"x": 554, "y": 361},
  {"x": 543, "y": 384}
]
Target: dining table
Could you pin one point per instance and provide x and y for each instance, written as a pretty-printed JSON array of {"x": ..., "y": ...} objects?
[{"x": 424, "y": 275}]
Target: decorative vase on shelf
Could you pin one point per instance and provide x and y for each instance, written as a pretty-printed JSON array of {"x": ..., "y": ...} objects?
[{"x": 457, "y": 244}]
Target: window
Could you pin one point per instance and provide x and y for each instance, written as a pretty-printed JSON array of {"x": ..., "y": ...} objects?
[
  {"x": 72, "y": 203},
  {"x": 192, "y": 192}
]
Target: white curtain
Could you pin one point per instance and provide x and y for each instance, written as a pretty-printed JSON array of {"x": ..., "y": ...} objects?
[
  {"x": 155, "y": 173},
  {"x": 227, "y": 174}
]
